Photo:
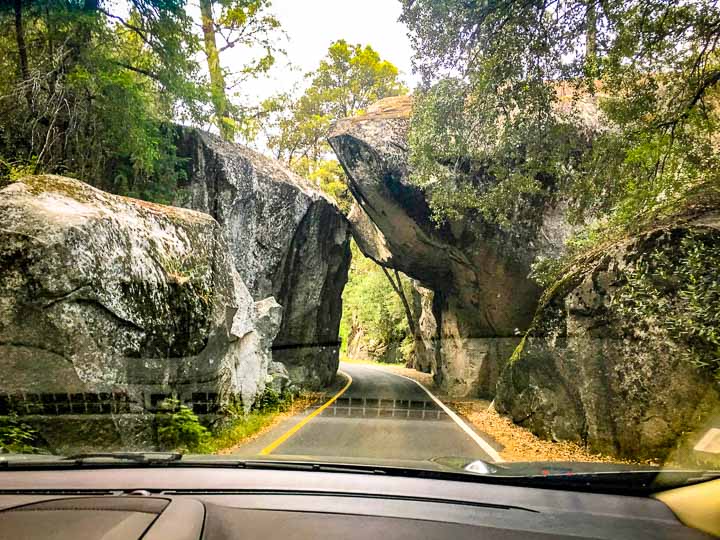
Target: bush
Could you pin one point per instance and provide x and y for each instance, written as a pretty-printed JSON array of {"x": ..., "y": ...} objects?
[
  {"x": 272, "y": 401},
  {"x": 676, "y": 288},
  {"x": 17, "y": 437},
  {"x": 178, "y": 428},
  {"x": 237, "y": 425}
]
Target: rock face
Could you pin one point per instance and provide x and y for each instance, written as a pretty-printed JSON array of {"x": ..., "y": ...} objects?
[
  {"x": 287, "y": 240},
  {"x": 108, "y": 305},
  {"x": 425, "y": 347},
  {"x": 478, "y": 272},
  {"x": 585, "y": 373}
]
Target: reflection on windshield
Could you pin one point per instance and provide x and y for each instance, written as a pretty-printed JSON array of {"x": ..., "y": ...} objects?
[
  {"x": 206, "y": 250},
  {"x": 387, "y": 408}
]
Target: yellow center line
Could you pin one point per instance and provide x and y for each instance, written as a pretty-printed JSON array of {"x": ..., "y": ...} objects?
[{"x": 293, "y": 430}]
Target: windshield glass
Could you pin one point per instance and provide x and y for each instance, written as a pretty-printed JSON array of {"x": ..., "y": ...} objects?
[{"x": 480, "y": 237}]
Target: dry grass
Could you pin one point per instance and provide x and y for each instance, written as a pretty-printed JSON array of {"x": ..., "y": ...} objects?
[{"x": 248, "y": 428}]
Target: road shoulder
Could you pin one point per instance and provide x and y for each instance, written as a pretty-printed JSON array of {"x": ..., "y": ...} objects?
[
  {"x": 513, "y": 442},
  {"x": 287, "y": 421}
]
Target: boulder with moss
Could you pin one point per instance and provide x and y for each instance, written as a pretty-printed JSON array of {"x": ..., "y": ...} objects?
[
  {"x": 109, "y": 305},
  {"x": 622, "y": 355}
]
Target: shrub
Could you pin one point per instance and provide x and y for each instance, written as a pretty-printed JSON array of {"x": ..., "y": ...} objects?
[
  {"x": 16, "y": 437},
  {"x": 676, "y": 288},
  {"x": 178, "y": 428},
  {"x": 272, "y": 401}
]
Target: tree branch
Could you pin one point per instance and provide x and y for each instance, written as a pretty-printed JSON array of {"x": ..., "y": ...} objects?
[
  {"x": 137, "y": 30},
  {"x": 710, "y": 80},
  {"x": 398, "y": 288},
  {"x": 141, "y": 71}
]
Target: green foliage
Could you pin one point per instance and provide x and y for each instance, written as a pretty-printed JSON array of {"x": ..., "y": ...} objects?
[
  {"x": 326, "y": 174},
  {"x": 351, "y": 78},
  {"x": 15, "y": 170},
  {"x": 92, "y": 92},
  {"x": 178, "y": 428},
  {"x": 509, "y": 108},
  {"x": 602, "y": 233},
  {"x": 372, "y": 308},
  {"x": 676, "y": 289},
  {"x": 16, "y": 436},
  {"x": 242, "y": 425},
  {"x": 237, "y": 24},
  {"x": 547, "y": 270},
  {"x": 468, "y": 160},
  {"x": 348, "y": 80},
  {"x": 272, "y": 401},
  {"x": 238, "y": 429}
]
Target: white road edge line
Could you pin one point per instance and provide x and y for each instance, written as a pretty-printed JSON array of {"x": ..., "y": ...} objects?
[{"x": 482, "y": 443}]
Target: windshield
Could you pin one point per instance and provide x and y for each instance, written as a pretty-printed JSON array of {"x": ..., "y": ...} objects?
[{"x": 479, "y": 237}]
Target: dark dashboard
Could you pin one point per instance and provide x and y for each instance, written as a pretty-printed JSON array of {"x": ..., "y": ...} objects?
[{"x": 214, "y": 504}]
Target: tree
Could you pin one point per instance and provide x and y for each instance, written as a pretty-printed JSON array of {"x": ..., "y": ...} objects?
[
  {"x": 92, "y": 88},
  {"x": 244, "y": 23},
  {"x": 510, "y": 88},
  {"x": 85, "y": 91},
  {"x": 348, "y": 80},
  {"x": 217, "y": 77}
]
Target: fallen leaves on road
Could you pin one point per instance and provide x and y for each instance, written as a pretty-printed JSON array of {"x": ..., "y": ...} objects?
[{"x": 518, "y": 443}]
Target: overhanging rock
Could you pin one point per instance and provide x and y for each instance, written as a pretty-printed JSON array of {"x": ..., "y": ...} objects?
[{"x": 478, "y": 271}]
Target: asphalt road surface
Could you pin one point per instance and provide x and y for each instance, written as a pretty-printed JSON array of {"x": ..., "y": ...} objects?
[{"x": 385, "y": 416}]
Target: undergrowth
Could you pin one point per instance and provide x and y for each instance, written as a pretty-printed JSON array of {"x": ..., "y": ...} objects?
[
  {"x": 16, "y": 436},
  {"x": 180, "y": 429},
  {"x": 241, "y": 426}
]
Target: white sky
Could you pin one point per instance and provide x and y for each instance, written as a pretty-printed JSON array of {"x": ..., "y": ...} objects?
[{"x": 312, "y": 25}]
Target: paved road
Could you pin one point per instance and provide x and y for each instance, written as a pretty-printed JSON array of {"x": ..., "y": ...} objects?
[{"x": 382, "y": 415}]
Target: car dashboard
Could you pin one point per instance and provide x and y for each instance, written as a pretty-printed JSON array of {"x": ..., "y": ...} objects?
[{"x": 216, "y": 504}]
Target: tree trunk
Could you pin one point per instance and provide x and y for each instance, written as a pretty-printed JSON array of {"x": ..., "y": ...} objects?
[
  {"x": 22, "y": 52},
  {"x": 398, "y": 288},
  {"x": 217, "y": 80},
  {"x": 591, "y": 60}
]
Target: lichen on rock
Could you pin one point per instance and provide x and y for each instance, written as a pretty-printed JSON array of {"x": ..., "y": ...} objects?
[
  {"x": 109, "y": 304},
  {"x": 602, "y": 364},
  {"x": 286, "y": 239}
]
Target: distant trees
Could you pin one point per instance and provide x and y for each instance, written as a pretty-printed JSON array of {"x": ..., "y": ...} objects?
[
  {"x": 237, "y": 23},
  {"x": 374, "y": 323},
  {"x": 503, "y": 112},
  {"x": 347, "y": 81}
]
